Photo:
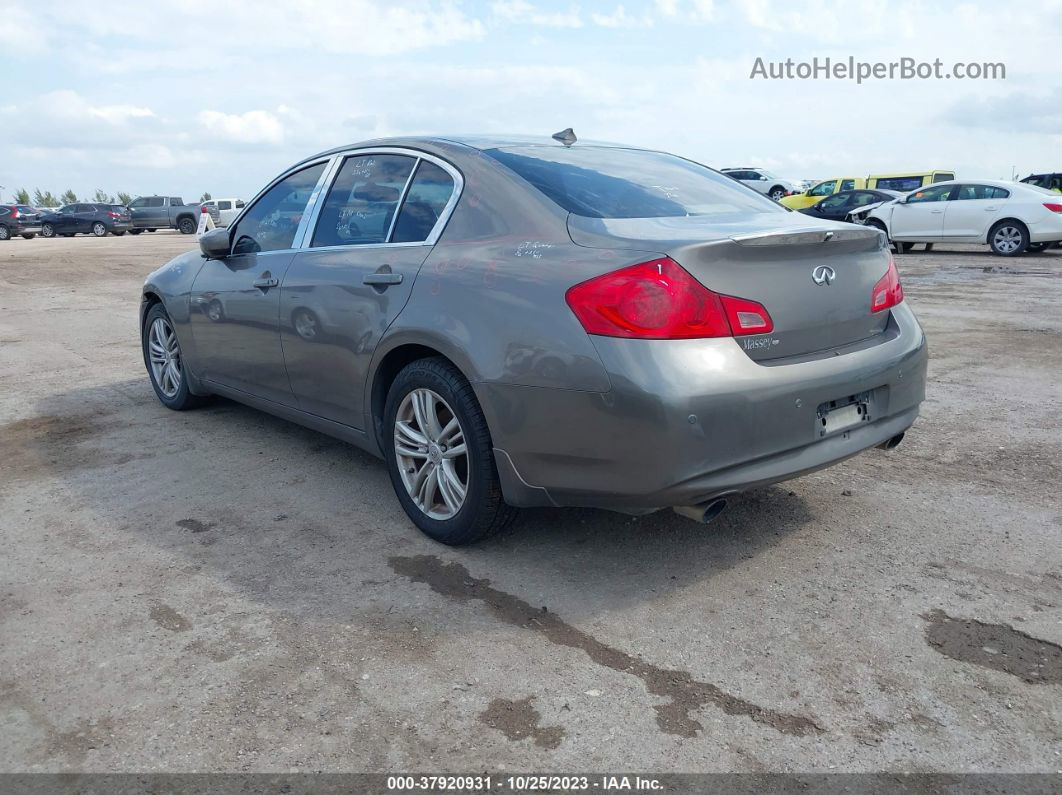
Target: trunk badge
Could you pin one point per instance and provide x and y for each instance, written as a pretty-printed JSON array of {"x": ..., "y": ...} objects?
[{"x": 823, "y": 275}]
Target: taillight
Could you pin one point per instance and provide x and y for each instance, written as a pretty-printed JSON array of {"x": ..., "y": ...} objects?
[
  {"x": 659, "y": 300},
  {"x": 888, "y": 292},
  {"x": 1055, "y": 208},
  {"x": 113, "y": 214}
]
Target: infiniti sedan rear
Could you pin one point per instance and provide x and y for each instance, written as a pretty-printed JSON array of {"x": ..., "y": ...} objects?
[{"x": 525, "y": 322}]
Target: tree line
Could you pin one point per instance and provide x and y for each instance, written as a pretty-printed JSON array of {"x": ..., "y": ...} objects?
[{"x": 46, "y": 199}]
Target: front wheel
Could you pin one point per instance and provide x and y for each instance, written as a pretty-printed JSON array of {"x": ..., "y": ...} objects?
[
  {"x": 440, "y": 456},
  {"x": 1008, "y": 238},
  {"x": 47, "y": 230},
  {"x": 165, "y": 364},
  {"x": 186, "y": 226},
  {"x": 99, "y": 230},
  {"x": 777, "y": 193}
]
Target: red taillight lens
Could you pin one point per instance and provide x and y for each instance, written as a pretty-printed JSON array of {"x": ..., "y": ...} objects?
[
  {"x": 114, "y": 215},
  {"x": 888, "y": 292},
  {"x": 658, "y": 300},
  {"x": 1055, "y": 208}
]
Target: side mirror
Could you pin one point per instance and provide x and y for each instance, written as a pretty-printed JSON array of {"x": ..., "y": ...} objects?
[{"x": 215, "y": 244}]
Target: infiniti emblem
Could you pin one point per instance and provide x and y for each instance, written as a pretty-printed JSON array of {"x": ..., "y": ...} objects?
[{"x": 823, "y": 274}]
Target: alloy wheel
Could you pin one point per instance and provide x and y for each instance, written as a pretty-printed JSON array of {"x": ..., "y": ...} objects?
[
  {"x": 1006, "y": 239},
  {"x": 98, "y": 229},
  {"x": 431, "y": 454},
  {"x": 5, "y": 233},
  {"x": 164, "y": 355},
  {"x": 47, "y": 231}
]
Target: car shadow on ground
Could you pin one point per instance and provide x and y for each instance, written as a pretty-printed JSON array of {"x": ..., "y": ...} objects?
[{"x": 310, "y": 525}]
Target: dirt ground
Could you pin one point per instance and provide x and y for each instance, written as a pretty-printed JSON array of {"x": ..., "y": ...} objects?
[{"x": 220, "y": 590}]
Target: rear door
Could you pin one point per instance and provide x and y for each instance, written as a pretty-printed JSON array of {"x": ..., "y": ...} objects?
[
  {"x": 381, "y": 217},
  {"x": 235, "y": 300},
  {"x": 84, "y": 215},
  {"x": 921, "y": 216},
  {"x": 973, "y": 209}
]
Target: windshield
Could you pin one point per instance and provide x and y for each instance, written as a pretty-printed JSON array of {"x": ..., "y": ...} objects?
[{"x": 605, "y": 182}]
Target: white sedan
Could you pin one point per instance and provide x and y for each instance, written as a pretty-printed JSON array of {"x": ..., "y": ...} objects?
[{"x": 1008, "y": 216}]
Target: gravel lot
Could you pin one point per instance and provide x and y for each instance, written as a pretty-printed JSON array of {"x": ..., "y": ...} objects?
[{"x": 221, "y": 590}]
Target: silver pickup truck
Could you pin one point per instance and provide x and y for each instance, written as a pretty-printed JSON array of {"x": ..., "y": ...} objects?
[{"x": 167, "y": 212}]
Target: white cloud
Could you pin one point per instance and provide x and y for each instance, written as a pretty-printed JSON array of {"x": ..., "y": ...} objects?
[
  {"x": 619, "y": 18},
  {"x": 252, "y": 127},
  {"x": 521, "y": 11}
]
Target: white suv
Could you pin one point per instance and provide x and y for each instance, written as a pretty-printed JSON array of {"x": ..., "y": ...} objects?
[{"x": 763, "y": 181}]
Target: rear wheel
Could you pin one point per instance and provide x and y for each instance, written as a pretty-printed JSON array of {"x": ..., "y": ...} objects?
[
  {"x": 47, "y": 230},
  {"x": 777, "y": 192},
  {"x": 1008, "y": 238},
  {"x": 165, "y": 364},
  {"x": 440, "y": 457},
  {"x": 5, "y": 233},
  {"x": 186, "y": 226},
  {"x": 99, "y": 230}
]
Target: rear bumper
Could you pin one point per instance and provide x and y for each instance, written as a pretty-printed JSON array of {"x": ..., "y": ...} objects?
[
  {"x": 27, "y": 229},
  {"x": 688, "y": 420},
  {"x": 121, "y": 226}
]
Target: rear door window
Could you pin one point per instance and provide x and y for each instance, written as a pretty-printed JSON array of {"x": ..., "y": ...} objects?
[
  {"x": 974, "y": 192},
  {"x": 362, "y": 200},
  {"x": 606, "y": 182},
  {"x": 425, "y": 201}
]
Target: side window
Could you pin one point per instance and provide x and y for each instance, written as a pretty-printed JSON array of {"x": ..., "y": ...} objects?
[
  {"x": 823, "y": 188},
  {"x": 427, "y": 197},
  {"x": 176, "y": 201},
  {"x": 240, "y": 204},
  {"x": 154, "y": 201},
  {"x": 271, "y": 223},
  {"x": 1056, "y": 183},
  {"x": 981, "y": 192},
  {"x": 848, "y": 184},
  {"x": 942, "y": 176},
  {"x": 222, "y": 205},
  {"x": 900, "y": 183},
  {"x": 833, "y": 202},
  {"x": 362, "y": 200},
  {"x": 935, "y": 194},
  {"x": 138, "y": 202},
  {"x": 863, "y": 197}
]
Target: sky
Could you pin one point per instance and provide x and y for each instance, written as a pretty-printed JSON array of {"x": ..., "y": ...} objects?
[{"x": 220, "y": 96}]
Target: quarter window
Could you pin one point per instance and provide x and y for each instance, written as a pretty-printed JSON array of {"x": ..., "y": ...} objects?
[
  {"x": 271, "y": 223},
  {"x": 362, "y": 201},
  {"x": 427, "y": 197}
]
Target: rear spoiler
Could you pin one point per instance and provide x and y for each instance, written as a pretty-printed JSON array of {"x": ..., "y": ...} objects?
[{"x": 804, "y": 237}]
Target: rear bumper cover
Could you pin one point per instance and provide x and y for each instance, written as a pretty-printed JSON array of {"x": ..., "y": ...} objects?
[{"x": 688, "y": 420}]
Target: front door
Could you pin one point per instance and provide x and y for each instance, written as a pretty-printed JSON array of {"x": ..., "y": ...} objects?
[
  {"x": 374, "y": 230},
  {"x": 235, "y": 301},
  {"x": 921, "y": 216}
]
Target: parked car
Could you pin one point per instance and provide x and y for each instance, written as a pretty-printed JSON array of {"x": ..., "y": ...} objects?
[
  {"x": 227, "y": 209},
  {"x": 517, "y": 322},
  {"x": 1051, "y": 182},
  {"x": 839, "y": 205},
  {"x": 1009, "y": 217},
  {"x": 91, "y": 219},
  {"x": 762, "y": 181},
  {"x": 19, "y": 219},
  {"x": 898, "y": 182},
  {"x": 166, "y": 212}
]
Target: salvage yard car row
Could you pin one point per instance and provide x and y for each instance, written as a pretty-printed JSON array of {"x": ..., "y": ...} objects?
[{"x": 143, "y": 214}]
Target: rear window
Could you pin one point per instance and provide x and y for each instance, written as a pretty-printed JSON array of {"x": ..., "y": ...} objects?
[
  {"x": 901, "y": 184},
  {"x": 600, "y": 182}
]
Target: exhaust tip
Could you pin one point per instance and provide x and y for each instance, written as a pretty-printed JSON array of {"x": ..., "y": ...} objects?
[
  {"x": 889, "y": 444},
  {"x": 703, "y": 513}
]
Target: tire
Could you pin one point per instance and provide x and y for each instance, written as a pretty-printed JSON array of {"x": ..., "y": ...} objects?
[
  {"x": 172, "y": 395},
  {"x": 482, "y": 511},
  {"x": 929, "y": 246},
  {"x": 777, "y": 192},
  {"x": 47, "y": 230},
  {"x": 186, "y": 226},
  {"x": 5, "y": 233},
  {"x": 1008, "y": 238},
  {"x": 135, "y": 231},
  {"x": 153, "y": 230},
  {"x": 874, "y": 222},
  {"x": 29, "y": 236},
  {"x": 117, "y": 234},
  {"x": 903, "y": 248},
  {"x": 99, "y": 229}
]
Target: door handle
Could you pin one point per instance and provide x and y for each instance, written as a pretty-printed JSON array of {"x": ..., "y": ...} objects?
[
  {"x": 991, "y": 209},
  {"x": 266, "y": 282},
  {"x": 383, "y": 279},
  {"x": 936, "y": 212}
]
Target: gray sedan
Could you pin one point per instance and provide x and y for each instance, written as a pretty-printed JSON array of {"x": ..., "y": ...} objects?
[{"x": 534, "y": 322}]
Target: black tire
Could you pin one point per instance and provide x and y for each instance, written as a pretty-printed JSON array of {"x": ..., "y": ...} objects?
[
  {"x": 183, "y": 399},
  {"x": 68, "y": 234},
  {"x": 47, "y": 230},
  {"x": 5, "y": 233},
  {"x": 777, "y": 192},
  {"x": 874, "y": 222},
  {"x": 929, "y": 246},
  {"x": 99, "y": 229},
  {"x": 903, "y": 248},
  {"x": 186, "y": 226},
  {"x": 484, "y": 512},
  {"x": 135, "y": 231},
  {"x": 1013, "y": 230},
  {"x": 117, "y": 234},
  {"x": 153, "y": 230},
  {"x": 29, "y": 236}
]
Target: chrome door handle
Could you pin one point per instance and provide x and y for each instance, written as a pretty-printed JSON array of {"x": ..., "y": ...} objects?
[
  {"x": 382, "y": 278},
  {"x": 265, "y": 283},
  {"x": 936, "y": 212}
]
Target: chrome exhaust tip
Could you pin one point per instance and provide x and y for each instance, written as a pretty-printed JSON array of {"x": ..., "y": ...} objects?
[
  {"x": 889, "y": 444},
  {"x": 703, "y": 513}
]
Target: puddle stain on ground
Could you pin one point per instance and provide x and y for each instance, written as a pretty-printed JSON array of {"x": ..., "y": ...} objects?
[
  {"x": 196, "y": 526},
  {"x": 168, "y": 618},
  {"x": 518, "y": 720},
  {"x": 996, "y": 646},
  {"x": 684, "y": 693}
]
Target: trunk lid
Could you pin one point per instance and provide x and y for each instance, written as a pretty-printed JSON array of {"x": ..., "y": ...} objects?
[{"x": 815, "y": 278}]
